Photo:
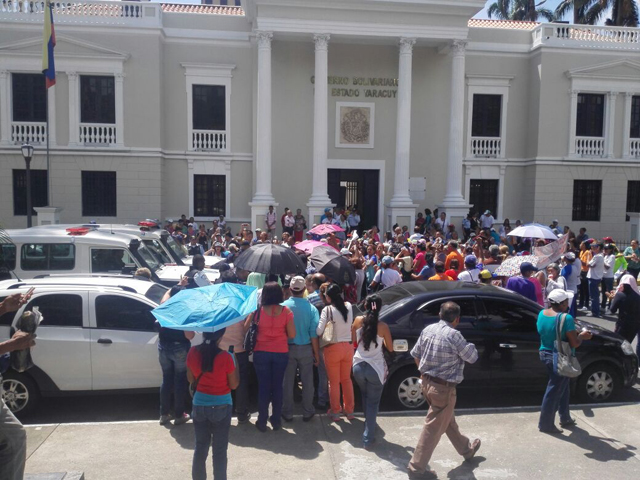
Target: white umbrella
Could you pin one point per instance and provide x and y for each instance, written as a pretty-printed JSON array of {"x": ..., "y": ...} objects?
[{"x": 533, "y": 230}]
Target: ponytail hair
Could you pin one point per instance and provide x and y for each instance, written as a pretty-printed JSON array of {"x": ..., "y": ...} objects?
[
  {"x": 334, "y": 292},
  {"x": 209, "y": 349},
  {"x": 372, "y": 304}
]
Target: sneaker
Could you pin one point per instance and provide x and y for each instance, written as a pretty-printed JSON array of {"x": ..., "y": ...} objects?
[
  {"x": 183, "y": 419},
  {"x": 308, "y": 419},
  {"x": 569, "y": 423},
  {"x": 244, "y": 418},
  {"x": 287, "y": 419},
  {"x": 164, "y": 419}
]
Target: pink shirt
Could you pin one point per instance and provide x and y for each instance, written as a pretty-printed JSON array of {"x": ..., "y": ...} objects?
[
  {"x": 538, "y": 287},
  {"x": 272, "y": 331},
  {"x": 233, "y": 335}
]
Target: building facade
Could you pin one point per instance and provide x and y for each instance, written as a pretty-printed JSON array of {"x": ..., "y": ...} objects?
[{"x": 164, "y": 109}]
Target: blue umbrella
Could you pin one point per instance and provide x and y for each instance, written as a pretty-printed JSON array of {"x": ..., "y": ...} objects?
[{"x": 207, "y": 309}]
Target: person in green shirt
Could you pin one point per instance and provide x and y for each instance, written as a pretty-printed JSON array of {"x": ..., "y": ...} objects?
[
  {"x": 632, "y": 256},
  {"x": 556, "y": 397}
]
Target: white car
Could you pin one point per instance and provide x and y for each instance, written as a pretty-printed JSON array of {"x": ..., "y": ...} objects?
[{"x": 97, "y": 334}]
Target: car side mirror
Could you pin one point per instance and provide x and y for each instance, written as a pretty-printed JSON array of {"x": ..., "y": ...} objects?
[{"x": 400, "y": 346}]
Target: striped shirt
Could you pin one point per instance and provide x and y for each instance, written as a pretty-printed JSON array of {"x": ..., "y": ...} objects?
[{"x": 442, "y": 351}]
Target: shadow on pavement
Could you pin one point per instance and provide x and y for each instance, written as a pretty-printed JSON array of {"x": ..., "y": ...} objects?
[
  {"x": 465, "y": 469},
  {"x": 600, "y": 449}
]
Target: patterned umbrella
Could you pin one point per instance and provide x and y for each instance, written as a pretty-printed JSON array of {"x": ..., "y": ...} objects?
[
  {"x": 511, "y": 266},
  {"x": 326, "y": 228}
]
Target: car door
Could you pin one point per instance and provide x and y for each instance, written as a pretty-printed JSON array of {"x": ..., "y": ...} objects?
[
  {"x": 475, "y": 374},
  {"x": 124, "y": 351},
  {"x": 62, "y": 345},
  {"x": 513, "y": 348}
]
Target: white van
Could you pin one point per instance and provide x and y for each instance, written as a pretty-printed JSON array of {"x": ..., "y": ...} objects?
[{"x": 56, "y": 249}]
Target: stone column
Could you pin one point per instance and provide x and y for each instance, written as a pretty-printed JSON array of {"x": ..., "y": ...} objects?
[
  {"x": 74, "y": 110},
  {"x": 319, "y": 197},
  {"x": 573, "y": 115},
  {"x": 610, "y": 125},
  {"x": 5, "y": 108},
  {"x": 626, "y": 150},
  {"x": 401, "y": 209},
  {"x": 454, "y": 203},
  {"x": 119, "y": 98},
  {"x": 263, "y": 196}
]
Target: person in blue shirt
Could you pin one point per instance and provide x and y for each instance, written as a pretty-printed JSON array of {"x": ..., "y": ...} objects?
[
  {"x": 556, "y": 397},
  {"x": 303, "y": 351}
]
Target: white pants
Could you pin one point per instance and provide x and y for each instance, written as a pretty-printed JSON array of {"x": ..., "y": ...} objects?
[{"x": 13, "y": 445}]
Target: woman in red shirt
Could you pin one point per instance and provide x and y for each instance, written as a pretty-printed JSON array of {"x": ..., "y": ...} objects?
[
  {"x": 215, "y": 375},
  {"x": 271, "y": 353}
]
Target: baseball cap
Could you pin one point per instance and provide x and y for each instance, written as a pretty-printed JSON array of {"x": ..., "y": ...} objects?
[
  {"x": 345, "y": 251},
  {"x": 527, "y": 267},
  {"x": 327, "y": 210},
  {"x": 487, "y": 212},
  {"x": 470, "y": 260},
  {"x": 451, "y": 225},
  {"x": 607, "y": 239},
  {"x": 559, "y": 295},
  {"x": 570, "y": 256},
  {"x": 555, "y": 221},
  {"x": 485, "y": 274},
  {"x": 297, "y": 284},
  {"x": 387, "y": 260}
]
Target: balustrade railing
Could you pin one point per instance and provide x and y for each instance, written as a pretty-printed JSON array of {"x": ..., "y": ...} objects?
[
  {"x": 634, "y": 147},
  {"x": 109, "y": 12},
  {"x": 209, "y": 140},
  {"x": 563, "y": 34},
  {"x": 590, "y": 146},
  {"x": 486, "y": 147},
  {"x": 28, "y": 132},
  {"x": 97, "y": 134}
]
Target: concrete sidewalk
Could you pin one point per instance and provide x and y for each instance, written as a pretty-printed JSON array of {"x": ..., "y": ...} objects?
[{"x": 603, "y": 445}]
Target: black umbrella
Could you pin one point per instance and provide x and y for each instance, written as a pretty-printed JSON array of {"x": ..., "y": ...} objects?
[
  {"x": 270, "y": 259},
  {"x": 329, "y": 262}
]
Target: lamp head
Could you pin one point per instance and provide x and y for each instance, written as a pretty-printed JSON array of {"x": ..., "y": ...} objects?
[{"x": 27, "y": 151}]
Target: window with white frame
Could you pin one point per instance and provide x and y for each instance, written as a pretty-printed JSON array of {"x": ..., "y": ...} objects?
[
  {"x": 29, "y": 108},
  {"x": 488, "y": 97},
  {"x": 208, "y": 106},
  {"x": 97, "y": 110},
  {"x": 634, "y": 128}
]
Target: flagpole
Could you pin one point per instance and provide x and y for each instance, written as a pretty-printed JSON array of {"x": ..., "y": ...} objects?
[{"x": 48, "y": 165}]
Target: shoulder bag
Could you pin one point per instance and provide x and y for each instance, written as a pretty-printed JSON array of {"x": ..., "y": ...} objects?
[
  {"x": 565, "y": 362},
  {"x": 330, "y": 334},
  {"x": 251, "y": 337}
]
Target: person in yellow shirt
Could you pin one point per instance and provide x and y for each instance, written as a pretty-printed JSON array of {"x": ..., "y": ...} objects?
[
  {"x": 440, "y": 275},
  {"x": 585, "y": 258}
]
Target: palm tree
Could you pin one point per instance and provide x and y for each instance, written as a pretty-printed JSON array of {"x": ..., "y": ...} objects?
[
  {"x": 624, "y": 13},
  {"x": 523, "y": 10}
]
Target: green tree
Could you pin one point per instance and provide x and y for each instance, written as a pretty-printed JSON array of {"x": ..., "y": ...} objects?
[
  {"x": 523, "y": 10},
  {"x": 624, "y": 13},
  {"x": 578, "y": 7}
]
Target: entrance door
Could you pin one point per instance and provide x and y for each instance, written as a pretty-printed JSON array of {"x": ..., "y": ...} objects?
[{"x": 360, "y": 187}]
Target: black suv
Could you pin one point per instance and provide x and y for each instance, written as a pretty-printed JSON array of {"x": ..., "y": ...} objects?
[{"x": 502, "y": 325}]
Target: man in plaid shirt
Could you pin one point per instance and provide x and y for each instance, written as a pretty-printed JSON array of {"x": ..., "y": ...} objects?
[{"x": 440, "y": 354}]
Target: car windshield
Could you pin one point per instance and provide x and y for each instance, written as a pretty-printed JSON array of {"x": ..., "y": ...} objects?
[
  {"x": 156, "y": 292},
  {"x": 148, "y": 257},
  {"x": 156, "y": 249},
  {"x": 175, "y": 248}
]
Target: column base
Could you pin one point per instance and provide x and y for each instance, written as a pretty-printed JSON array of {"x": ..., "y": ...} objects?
[
  {"x": 316, "y": 210},
  {"x": 258, "y": 212},
  {"x": 48, "y": 215},
  {"x": 402, "y": 215}
]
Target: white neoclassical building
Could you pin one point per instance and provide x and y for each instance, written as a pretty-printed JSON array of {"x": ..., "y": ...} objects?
[{"x": 394, "y": 105}]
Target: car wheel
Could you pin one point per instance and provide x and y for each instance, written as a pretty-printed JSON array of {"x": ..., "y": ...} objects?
[
  {"x": 599, "y": 383},
  {"x": 20, "y": 393},
  {"x": 405, "y": 390}
]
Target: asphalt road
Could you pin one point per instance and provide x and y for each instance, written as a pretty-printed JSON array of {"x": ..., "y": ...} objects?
[{"x": 134, "y": 407}]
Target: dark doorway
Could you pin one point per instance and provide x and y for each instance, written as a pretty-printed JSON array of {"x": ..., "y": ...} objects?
[
  {"x": 360, "y": 187},
  {"x": 483, "y": 195}
]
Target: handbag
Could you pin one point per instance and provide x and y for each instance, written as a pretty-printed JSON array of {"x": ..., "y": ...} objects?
[
  {"x": 330, "y": 334},
  {"x": 251, "y": 337},
  {"x": 565, "y": 362}
]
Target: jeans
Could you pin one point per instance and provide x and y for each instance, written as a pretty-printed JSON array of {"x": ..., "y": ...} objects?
[
  {"x": 633, "y": 271},
  {"x": 594, "y": 293},
  {"x": 572, "y": 308},
  {"x": 556, "y": 397},
  {"x": 242, "y": 392},
  {"x": 211, "y": 426},
  {"x": 607, "y": 286},
  {"x": 371, "y": 390},
  {"x": 270, "y": 368},
  {"x": 13, "y": 444},
  {"x": 338, "y": 359},
  {"x": 323, "y": 382},
  {"x": 173, "y": 360},
  {"x": 583, "y": 289},
  {"x": 300, "y": 357}
]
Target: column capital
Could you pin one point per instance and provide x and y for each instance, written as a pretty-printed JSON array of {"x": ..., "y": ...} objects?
[
  {"x": 264, "y": 38},
  {"x": 72, "y": 75},
  {"x": 458, "y": 48},
  {"x": 119, "y": 77},
  {"x": 628, "y": 94},
  {"x": 321, "y": 40},
  {"x": 4, "y": 74},
  {"x": 614, "y": 94},
  {"x": 573, "y": 92},
  {"x": 406, "y": 45}
]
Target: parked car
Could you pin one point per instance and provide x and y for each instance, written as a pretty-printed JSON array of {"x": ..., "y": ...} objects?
[
  {"x": 502, "y": 325},
  {"x": 97, "y": 334}
]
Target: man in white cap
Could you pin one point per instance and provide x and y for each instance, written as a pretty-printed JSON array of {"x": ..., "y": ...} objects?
[
  {"x": 303, "y": 351},
  {"x": 487, "y": 220}
]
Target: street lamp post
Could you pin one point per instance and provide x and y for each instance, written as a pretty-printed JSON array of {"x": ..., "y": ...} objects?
[{"x": 27, "y": 153}]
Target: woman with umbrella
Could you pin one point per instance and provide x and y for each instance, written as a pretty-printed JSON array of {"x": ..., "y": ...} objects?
[{"x": 214, "y": 374}]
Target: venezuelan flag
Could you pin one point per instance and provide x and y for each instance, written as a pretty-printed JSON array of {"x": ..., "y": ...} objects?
[{"x": 48, "y": 42}]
